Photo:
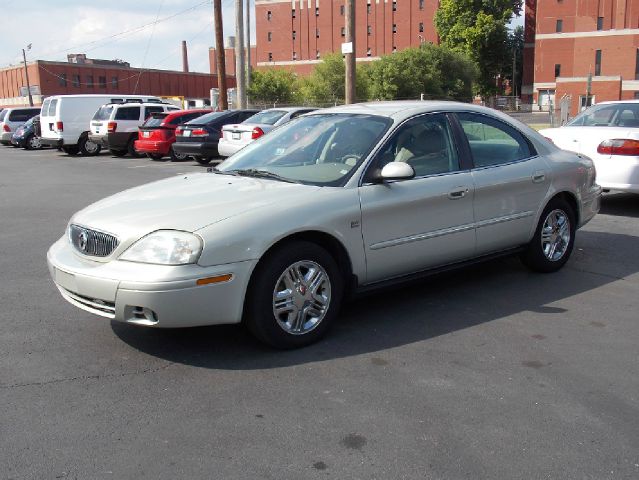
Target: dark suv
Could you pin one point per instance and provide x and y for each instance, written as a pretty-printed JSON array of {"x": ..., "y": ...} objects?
[{"x": 199, "y": 137}]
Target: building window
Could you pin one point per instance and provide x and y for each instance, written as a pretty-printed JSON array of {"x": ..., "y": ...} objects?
[
  {"x": 599, "y": 23},
  {"x": 394, "y": 28},
  {"x": 270, "y": 57},
  {"x": 557, "y": 70},
  {"x": 637, "y": 65},
  {"x": 560, "y": 26},
  {"x": 317, "y": 11},
  {"x": 421, "y": 4},
  {"x": 421, "y": 26},
  {"x": 294, "y": 34},
  {"x": 294, "y": 55},
  {"x": 62, "y": 80},
  {"x": 394, "y": 5},
  {"x": 394, "y": 49},
  {"x": 76, "y": 80},
  {"x": 636, "y": 95},
  {"x": 341, "y": 10},
  {"x": 114, "y": 82},
  {"x": 317, "y": 33},
  {"x": 368, "y": 9},
  {"x": 269, "y": 15},
  {"x": 293, "y": 13},
  {"x": 369, "y": 30},
  {"x": 90, "y": 81},
  {"x": 343, "y": 31},
  {"x": 597, "y": 63},
  {"x": 269, "y": 36},
  {"x": 368, "y": 52},
  {"x": 102, "y": 82},
  {"x": 317, "y": 54}
]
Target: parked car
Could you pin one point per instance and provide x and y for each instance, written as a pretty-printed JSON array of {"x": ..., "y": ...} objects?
[
  {"x": 65, "y": 120},
  {"x": 199, "y": 138},
  {"x": 334, "y": 202},
  {"x": 28, "y": 135},
  {"x": 115, "y": 126},
  {"x": 12, "y": 118},
  {"x": 157, "y": 135},
  {"x": 609, "y": 134},
  {"x": 235, "y": 137}
]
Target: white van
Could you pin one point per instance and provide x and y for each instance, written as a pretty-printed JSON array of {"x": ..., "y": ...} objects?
[{"x": 65, "y": 120}]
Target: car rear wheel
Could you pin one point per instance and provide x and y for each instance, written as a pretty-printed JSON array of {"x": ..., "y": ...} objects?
[
  {"x": 554, "y": 238},
  {"x": 203, "y": 160},
  {"x": 33, "y": 143},
  {"x": 294, "y": 296},
  {"x": 117, "y": 153},
  {"x": 131, "y": 149},
  {"x": 177, "y": 157},
  {"x": 154, "y": 156},
  {"x": 88, "y": 148}
]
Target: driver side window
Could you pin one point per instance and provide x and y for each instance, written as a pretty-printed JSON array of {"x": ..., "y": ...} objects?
[{"x": 425, "y": 143}]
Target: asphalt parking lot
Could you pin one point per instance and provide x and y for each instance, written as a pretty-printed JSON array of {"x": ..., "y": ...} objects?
[{"x": 491, "y": 372}]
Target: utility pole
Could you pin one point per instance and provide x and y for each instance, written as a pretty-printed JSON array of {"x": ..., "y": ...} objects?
[
  {"x": 248, "y": 45},
  {"x": 240, "y": 66},
  {"x": 26, "y": 74},
  {"x": 348, "y": 48},
  {"x": 222, "y": 102}
]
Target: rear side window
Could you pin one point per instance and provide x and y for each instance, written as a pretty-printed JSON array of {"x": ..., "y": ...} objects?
[
  {"x": 103, "y": 113},
  {"x": 493, "y": 142},
  {"x": 21, "y": 115},
  {"x": 155, "y": 120},
  {"x": 52, "y": 107},
  {"x": 128, "y": 113}
]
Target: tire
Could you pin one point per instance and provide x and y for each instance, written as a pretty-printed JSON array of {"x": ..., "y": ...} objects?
[
  {"x": 130, "y": 148},
  {"x": 118, "y": 153},
  {"x": 294, "y": 326},
  {"x": 87, "y": 148},
  {"x": 177, "y": 157},
  {"x": 32, "y": 143},
  {"x": 154, "y": 156},
  {"x": 553, "y": 241},
  {"x": 71, "y": 150},
  {"x": 203, "y": 160}
]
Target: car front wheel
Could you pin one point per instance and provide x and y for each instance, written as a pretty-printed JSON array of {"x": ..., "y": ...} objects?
[
  {"x": 554, "y": 238},
  {"x": 203, "y": 160},
  {"x": 294, "y": 296},
  {"x": 33, "y": 143}
]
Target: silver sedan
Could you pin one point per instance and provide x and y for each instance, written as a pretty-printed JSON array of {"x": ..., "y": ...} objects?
[{"x": 338, "y": 201}]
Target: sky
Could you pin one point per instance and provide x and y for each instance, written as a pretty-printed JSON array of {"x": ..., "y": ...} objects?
[{"x": 144, "y": 33}]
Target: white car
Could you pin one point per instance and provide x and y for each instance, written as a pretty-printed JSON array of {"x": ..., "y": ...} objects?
[
  {"x": 337, "y": 201},
  {"x": 236, "y": 137},
  {"x": 609, "y": 134}
]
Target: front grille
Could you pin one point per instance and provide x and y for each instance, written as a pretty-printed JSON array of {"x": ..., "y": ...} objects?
[{"x": 91, "y": 242}]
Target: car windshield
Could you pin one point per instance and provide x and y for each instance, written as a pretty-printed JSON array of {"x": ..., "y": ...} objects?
[
  {"x": 322, "y": 149},
  {"x": 267, "y": 117},
  {"x": 103, "y": 113},
  {"x": 608, "y": 115},
  {"x": 155, "y": 120}
]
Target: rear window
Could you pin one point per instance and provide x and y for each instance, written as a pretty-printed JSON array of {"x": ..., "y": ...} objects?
[
  {"x": 209, "y": 117},
  {"x": 52, "y": 106},
  {"x": 187, "y": 117},
  {"x": 128, "y": 113},
  {"x": 268, "y": 117},
  {"x": 155, "y": 120},
  {"x": 22, "y": 115},
  {"x": 103, "y": 113},
  {"x": 45, "y": 106},
  {"x": 3, "y": 114}
]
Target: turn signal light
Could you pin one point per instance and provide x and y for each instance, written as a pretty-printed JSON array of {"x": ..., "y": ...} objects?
[
  {"x": 59, "y": 126},
  {"x": 619, "y": 146},
  {"x": 219, "y": 279},
  {"x": 256, "y": 133},
  {"x": 112, "y": 127}
]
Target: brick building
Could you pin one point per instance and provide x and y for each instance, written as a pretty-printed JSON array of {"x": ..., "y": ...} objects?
[
  {"x": 296, "y": 33},
  {"x": 67, "y": 78},
  {"x": 566, "y": 41}
]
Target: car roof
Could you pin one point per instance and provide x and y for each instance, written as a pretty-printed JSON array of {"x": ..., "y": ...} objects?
[
  {"x": 613, "y": 102},
  {"x": 20, "y": 108}
]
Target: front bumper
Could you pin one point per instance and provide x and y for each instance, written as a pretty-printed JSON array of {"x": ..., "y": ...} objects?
[
  {"x": 150, "y": 295},
  {"x": 204, "y": 149}
]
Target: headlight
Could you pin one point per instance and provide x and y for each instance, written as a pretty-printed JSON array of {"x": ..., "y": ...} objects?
[{"x": 165, "y": 247}]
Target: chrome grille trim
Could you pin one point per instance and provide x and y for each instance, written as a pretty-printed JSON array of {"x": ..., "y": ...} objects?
[
  {"x": 93, "y": 305},
  {"x": 92, "y": 242}
]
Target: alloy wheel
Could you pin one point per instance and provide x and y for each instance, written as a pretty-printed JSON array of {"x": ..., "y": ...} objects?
[{"x": 555, "y": 235}]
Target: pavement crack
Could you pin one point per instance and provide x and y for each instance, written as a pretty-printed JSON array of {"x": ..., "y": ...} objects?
[{"x": 88, "y": 377}]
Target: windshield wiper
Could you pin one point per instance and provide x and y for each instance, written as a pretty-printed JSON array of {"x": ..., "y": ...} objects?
[
  {"x": 254, "y": 172},
  {"x": 221, "y": 172}
]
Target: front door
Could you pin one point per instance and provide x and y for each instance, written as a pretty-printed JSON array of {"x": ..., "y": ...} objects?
[{"x": 427, "y": 221}]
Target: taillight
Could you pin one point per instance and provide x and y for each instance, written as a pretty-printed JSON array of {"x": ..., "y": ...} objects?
[
  {"x": 256, "y": 133},
  {"x": 112, "y": 127},
  {"x": 619, "y": 146},
  {"x": 179, "y": 131},
  {"x": 59, "y": 126},
  {"x": 6, "y": 128},
  {"x": 199, "y": 132}
]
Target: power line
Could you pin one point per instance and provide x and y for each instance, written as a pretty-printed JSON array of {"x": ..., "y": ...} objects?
[{"x": 148, "y": 44}]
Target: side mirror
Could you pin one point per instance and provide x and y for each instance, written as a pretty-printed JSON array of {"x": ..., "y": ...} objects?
[{"x": 396, "y": 171}]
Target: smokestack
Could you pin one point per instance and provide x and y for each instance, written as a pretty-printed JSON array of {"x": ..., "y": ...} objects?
[{"x": 185, "y": 57}]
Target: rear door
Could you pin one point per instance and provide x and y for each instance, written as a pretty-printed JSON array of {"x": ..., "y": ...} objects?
[{"x": 48, "y": 118}]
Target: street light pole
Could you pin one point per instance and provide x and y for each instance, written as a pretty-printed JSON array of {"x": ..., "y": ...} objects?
[
  {"x": 349, "y": 18},
  {"x": 26, "y": 74}
]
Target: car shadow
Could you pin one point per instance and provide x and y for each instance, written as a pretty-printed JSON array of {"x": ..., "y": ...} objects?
[
  {"x": 410, "y": 313},
  {"x": 620, "y": 204}
]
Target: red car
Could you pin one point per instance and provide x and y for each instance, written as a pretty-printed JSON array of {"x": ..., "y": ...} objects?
[{"x": 157, "y": 135}]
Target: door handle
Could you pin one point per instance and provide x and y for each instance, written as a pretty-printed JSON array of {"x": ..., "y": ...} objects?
[
  {"x": 538, "y": 176},
  {"x": 459, "y": 192}
]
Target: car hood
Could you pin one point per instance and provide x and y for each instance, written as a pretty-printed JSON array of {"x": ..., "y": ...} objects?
[{"x": 186, "y": 202}]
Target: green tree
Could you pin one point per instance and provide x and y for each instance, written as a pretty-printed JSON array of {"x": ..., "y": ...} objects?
[
  {"x": 430, "y": 70},
  {"x": 516, "y": 52},
  {"x": 326, "y": 84},
  {"x": 478, "y": 28},
  {"x": 273, "y": 86}
]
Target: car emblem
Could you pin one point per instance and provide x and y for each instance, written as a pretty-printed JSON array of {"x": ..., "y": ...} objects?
[{"x": 83, "y": 241}]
